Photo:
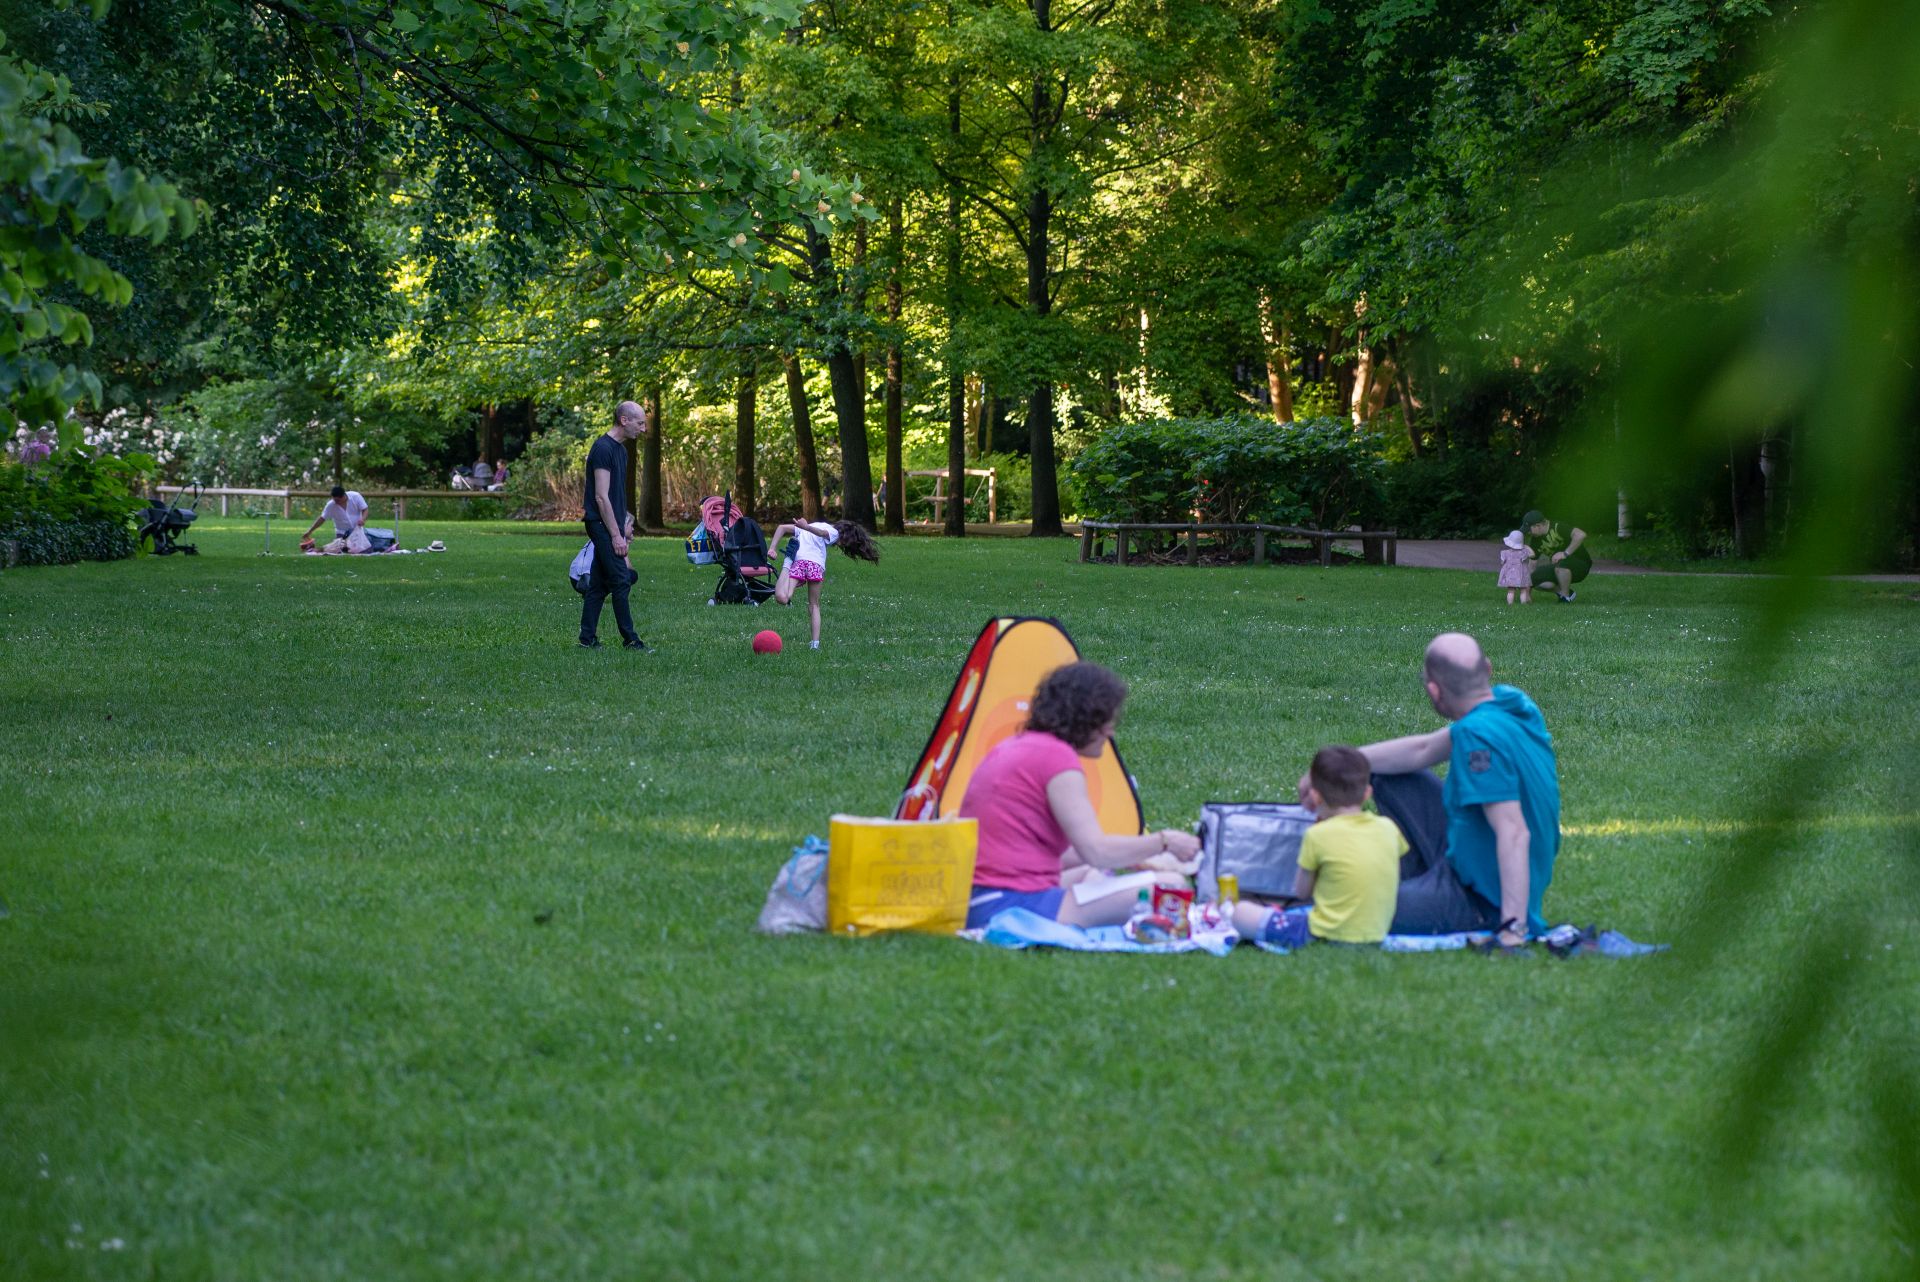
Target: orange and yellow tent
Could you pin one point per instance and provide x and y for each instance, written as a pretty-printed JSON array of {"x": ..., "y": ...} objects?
[{"x": 989, "y": 702}]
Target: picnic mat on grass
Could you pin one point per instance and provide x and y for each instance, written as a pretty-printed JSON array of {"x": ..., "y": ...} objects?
[{"x": 1021, "y": 928}]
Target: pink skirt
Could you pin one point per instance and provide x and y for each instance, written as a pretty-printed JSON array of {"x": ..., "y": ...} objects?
[{"x": 806, "y": 571}]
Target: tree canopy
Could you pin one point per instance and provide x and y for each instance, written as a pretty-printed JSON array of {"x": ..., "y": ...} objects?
[{"x": 970, "y": 229}]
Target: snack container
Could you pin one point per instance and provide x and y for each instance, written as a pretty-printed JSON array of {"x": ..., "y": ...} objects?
[
  {"x": 1177, "y": 907},
  {"x": 1151, "y": 929}
]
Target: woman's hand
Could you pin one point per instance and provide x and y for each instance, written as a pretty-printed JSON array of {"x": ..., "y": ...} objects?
[{"x": 1182, "y": 844}]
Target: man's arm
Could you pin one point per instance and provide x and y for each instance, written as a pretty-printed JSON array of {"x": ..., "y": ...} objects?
[
  {"x": 1574, "y": 540},
  {"x": 602, "y": 479},
  {"x": 1411, "y": 752},
  {"x": 1511, "y": 847}
]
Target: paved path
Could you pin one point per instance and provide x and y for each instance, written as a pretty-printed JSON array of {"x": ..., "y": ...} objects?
[{"x": 1472, "y": 554}]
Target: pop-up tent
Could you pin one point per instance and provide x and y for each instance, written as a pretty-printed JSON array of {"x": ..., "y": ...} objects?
[{"x": 989, "y": 702}]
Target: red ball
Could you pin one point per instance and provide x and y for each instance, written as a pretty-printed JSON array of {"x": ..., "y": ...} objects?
[{"x": 767, "y": 642}]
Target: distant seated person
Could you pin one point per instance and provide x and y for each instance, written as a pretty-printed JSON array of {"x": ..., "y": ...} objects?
[
  {"x": 1029, "y": 794},
  {"x": 499, "y": 476},
  {"x": 482, "y": 474},
  {"x": 348, "y": 512}
]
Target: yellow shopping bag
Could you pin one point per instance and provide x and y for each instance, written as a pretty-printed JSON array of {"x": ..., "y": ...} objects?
[{"x": 894, "y": 874}]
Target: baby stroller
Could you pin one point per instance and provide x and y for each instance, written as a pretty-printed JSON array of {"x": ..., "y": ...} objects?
[
  {"x": 735, "y": 542},
  {"x": 162, "y": 524}
]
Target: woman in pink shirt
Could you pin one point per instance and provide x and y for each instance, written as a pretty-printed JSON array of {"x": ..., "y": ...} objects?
[{"x": 1030, "y": 796}]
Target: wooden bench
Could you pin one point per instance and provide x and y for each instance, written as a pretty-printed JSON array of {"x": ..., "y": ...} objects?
[{"x": 1377, "y": 547}]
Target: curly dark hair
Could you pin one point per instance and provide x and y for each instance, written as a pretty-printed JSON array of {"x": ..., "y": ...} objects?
[
  {"x": 1075, "y": 700},
  {"x": 855, "y": 541}
]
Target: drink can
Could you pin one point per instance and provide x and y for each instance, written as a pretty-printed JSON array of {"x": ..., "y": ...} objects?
[{"x": 1229, "y": 888}]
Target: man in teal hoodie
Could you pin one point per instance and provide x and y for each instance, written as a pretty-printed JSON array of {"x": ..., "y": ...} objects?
[{"x": 1483, "y": 843}]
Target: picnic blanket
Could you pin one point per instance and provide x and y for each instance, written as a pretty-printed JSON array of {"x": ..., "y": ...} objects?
[{"x": 1021, "y": 928}]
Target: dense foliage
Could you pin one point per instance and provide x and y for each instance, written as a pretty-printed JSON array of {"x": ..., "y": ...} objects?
[
  {"x": 73, "y": 506},
  {"x": 879, "y": 236},
  {"x": 1233, "y": 470}
]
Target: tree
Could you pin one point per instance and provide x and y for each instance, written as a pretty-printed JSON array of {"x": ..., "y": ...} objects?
[{"x": 55, "y": 191}]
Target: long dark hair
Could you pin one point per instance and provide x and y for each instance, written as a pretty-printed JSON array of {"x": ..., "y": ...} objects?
[
  {"x": 1074, "y": 701},
  {"x": 855, "y": 541}
]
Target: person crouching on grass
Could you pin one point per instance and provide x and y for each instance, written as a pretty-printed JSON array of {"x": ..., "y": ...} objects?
[
  {"x": 1349, "y": 862},
  {"x": 808, "y": 564}
]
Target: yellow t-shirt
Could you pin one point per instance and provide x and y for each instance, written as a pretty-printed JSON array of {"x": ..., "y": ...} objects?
[{"x": 1355, "y": 860}]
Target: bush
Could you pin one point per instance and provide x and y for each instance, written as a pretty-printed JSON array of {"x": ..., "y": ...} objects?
[
  {"x": 1318, "y": 473},
  {"x": 44, "y": 540},
  {"x": 1463, "y": 496},
  {"x": 72, "y": 507}
]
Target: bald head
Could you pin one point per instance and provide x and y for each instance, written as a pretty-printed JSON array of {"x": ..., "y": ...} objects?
[
  {"x": 1459, "y": 668},
  {"x": 630, "y": 418}
]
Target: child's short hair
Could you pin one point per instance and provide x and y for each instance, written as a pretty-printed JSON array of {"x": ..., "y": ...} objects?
[{"x": 1340, "y": 775}]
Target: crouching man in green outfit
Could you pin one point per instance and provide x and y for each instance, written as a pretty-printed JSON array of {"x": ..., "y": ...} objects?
[{"x": 1561, "y": 558}]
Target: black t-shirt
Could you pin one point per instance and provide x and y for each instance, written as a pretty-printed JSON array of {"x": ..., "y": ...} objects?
[{"x": 609, "y": 455}]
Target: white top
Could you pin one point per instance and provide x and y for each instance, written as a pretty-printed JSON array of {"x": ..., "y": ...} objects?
[
  {"x": 346, "y": 519},
  {"x": 814, "y": 545}
]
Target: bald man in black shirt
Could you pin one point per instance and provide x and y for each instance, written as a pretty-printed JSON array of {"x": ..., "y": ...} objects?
[{"x": 609, "y": 526}]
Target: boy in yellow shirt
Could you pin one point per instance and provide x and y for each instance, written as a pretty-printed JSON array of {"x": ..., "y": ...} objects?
[{"x": 1349, "y": 859}]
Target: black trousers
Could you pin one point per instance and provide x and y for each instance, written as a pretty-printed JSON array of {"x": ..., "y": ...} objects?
[
  {"x": 1432, "y": 900},
  {"x": 608, "y": 579}
]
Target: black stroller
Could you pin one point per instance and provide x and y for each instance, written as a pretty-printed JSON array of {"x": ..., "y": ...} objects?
[
  {"x": 739, "y": 547},
  {"x": 162, "y": 524}
]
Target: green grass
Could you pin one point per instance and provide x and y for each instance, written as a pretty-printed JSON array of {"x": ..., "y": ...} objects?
[{"x": 278, "y": 1002}]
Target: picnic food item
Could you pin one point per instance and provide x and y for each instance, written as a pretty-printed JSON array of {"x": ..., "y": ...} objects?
[
  {"x": 1229, "y": 888},
  {"x": 1176, "y": 905}
]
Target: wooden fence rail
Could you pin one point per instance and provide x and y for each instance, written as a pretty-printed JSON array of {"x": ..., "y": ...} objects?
[
  {"x": 1377, "y": 547},
  {"x": 287, "y": 496}
]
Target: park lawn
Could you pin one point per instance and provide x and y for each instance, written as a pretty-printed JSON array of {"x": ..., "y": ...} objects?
[{"x": 362, "y": 927}]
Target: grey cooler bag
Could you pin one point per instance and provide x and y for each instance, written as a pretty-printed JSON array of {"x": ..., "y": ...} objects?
[{"x": 1256, "y": 841}]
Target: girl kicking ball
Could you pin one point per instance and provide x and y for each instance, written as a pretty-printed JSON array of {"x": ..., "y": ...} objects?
[{"x": 808, "y": 564}]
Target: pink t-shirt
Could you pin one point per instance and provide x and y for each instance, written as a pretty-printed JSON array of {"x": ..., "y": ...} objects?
[{"x": 1020, "y": 840}]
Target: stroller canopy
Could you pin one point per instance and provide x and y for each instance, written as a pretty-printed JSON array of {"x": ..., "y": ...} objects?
[{"x": 718, "y": 512}]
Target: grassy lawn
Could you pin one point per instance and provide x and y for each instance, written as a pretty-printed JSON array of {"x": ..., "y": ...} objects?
[{"x": 362, "y": 927}]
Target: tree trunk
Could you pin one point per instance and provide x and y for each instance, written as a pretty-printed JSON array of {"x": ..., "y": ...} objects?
[
  {"x": 1362, "y": 383},
  {"x": 860, "y": 309},
  {"x": 959, "y": 413},
  {"x": 1046, "y": 487},
  {"x": 803, "y": 437},
  {"x": 896, "y": 513},
  {"x": 1749, "y": 500},
  {"x": 978, "y": 423},
  {"x": 1406, "y": 402},
  {"x": 337, "y": 474},
  {"x": 651, "y": 514},
  {"x": 630, "y": 483},
  {"x": 849, "y": 406},
  {"x": 1279, "y": 380},
  {"x": 849, "y": 409},
  {"x": 745, "y": 416}
]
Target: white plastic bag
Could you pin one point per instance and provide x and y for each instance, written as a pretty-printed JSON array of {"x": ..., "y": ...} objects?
[{"x": 798, "y": 900}]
